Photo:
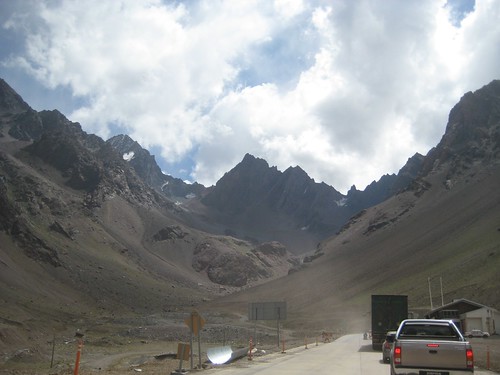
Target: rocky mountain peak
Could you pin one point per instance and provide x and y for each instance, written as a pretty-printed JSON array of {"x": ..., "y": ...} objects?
[
  {"x": 140, "y": 159},
  {"x": 252, "y": 167},
  {"x": 472, "y": 132},
  {"x": 124, "y": 141},
  {"x": 10, "y": 101},
  {"x": 243, "y": 186},
  {"x": 297, "y": 173},
  {"x": 146, "y": 167},
  {"x": 475, "y": 121},
  {"x": 412, "y": 166}
]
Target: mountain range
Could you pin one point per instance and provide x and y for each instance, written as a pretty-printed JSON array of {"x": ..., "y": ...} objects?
[
  {"x": 92, "y": 228},
  {"x": 259, "y": 203}
]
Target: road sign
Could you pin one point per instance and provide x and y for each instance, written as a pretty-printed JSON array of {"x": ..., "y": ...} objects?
[
  {"x": 267, "y": 311},
  {"x": 195, "y": 322}
]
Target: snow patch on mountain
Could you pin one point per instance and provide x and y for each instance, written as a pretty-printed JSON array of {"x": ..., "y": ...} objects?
[{"x": 128, "y": 156}]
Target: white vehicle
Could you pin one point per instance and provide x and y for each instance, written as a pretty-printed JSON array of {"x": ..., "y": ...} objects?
[{"x": 477, "y": 333}]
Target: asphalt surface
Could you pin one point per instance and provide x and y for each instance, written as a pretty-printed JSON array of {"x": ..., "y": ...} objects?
[{"x": 348, "y": 355}]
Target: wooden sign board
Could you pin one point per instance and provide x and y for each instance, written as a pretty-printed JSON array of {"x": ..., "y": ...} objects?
[{"x": 183, "y": 351}]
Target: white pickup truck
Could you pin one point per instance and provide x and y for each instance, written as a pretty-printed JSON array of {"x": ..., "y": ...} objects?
[{"x": 430, "y": 347}]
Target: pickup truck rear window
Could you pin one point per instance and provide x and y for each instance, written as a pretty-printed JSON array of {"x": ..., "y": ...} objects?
[{"x": 423, "y": 331}]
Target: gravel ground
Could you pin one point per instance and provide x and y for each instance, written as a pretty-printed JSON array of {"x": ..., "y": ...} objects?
[
  {"x": 146, "y": 347},
  {"x": 150, "y": 347}
]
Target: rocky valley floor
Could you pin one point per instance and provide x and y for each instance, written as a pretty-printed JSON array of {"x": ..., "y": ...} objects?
[{"x": 149, "y": 346}]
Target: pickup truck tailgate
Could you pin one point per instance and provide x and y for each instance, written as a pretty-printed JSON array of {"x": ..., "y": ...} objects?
[{"x": 434, "y": 354}]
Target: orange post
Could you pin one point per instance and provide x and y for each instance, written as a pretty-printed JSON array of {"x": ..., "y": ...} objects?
[
  {"x": 283, "y": 346},
  {"x": 487, "y": 358},
  {"x": 78, "y": 354},
  {"x": 250, "y": 347}
]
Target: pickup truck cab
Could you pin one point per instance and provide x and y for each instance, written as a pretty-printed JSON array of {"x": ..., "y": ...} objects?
[{"x": 430, "y": 347}]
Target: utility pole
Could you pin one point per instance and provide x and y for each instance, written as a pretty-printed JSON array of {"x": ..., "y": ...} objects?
[
  {"x": 430, "y": 292},
  {"x": 442, "y": 297}
]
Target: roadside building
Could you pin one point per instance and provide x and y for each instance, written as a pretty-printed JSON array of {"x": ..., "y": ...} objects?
[{"x": 468, "y": 315}]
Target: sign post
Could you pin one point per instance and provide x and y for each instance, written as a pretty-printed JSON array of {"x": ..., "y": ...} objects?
[
  {"x": 268, "y": 311},
  {"x": 191, "y": 338},
  {"x": 183, "y": 351},
  {"x": 195, "y": 322}
]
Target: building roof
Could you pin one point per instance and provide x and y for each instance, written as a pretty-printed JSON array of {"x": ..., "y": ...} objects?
[{"x": 460, "y": 302}]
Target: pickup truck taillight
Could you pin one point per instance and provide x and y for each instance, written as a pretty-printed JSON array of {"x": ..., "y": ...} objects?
[
  {"x": 397, "y": 355},
  {"x": 470, "y": 358}
]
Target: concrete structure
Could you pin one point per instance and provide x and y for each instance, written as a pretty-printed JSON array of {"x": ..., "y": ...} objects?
[{"x": 469, "y": 315}]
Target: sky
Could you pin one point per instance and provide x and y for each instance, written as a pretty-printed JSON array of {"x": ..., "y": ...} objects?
[{"x": 346, "y": 89}]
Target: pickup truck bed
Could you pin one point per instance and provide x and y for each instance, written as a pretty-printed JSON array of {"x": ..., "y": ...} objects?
[{"x": 430, "y": 347}]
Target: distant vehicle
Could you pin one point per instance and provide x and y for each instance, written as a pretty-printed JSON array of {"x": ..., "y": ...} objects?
[
  {"x": 387, "y": 312},
  {"x": 477, "y": 333},
  {"x": 387, "y": 346}
]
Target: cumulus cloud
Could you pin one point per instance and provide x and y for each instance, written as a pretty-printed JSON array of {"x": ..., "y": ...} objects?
[{"x": 346, "y": 90}]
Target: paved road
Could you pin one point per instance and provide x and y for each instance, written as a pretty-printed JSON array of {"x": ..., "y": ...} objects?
[{"x": 348, "y": 355}]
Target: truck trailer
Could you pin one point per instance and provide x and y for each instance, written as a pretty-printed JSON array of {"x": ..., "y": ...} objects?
[{"x": 388, "y": 311}]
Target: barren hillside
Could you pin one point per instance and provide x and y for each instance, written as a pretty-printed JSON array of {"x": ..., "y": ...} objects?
[{"x": 86, "y": 244}]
